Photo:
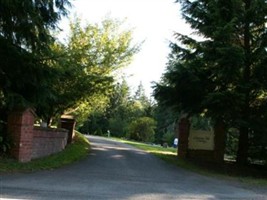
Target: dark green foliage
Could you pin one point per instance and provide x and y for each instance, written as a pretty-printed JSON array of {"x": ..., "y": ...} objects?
[
  {"x": 25, "y": 38},
  {"x": 201, "y": 123},
  {"x": 5, "y": 140},
  {"x": 96, "y": 124},
  {"x": 121, "y": 112},
  {"x": 142, "y": 129},
  {"x": 5, "y": 144},
  {"x": 24, "y": 44},
  {"x": 25, "y": 80},
  {"x": 166, "y": 123},
  {"x": 27, "y": 23},
  {"x": 223, "y": 75},
  {"x": 232, "y": 143},
  {"x": 116, "y": 116},
  {"x": 168, "y": 138}
]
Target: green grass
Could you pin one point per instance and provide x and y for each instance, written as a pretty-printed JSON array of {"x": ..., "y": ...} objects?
[
  {"x": 77, "y": 150},
  {"x": 150, "y": 148},
  {"x": 223, "y": 172}
]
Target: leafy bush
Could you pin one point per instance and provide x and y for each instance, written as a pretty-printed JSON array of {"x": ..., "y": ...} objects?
[
  {"x": 168, "y": 137},
  {"x": 117, "y": 127},
  {"x": 5, "y": 140},
  {"x": 5, "y": 144},
  {"x": 232, "y": 143},
  {"x": 142, "y": 129}
]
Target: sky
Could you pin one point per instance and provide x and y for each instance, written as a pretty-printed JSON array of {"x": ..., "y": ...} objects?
[{"x": 153, "y": 21}]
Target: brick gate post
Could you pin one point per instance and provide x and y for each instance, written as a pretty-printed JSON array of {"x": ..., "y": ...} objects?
[
  {"x": 68, "y": 122},
  {"x": 20, "y": 126}
]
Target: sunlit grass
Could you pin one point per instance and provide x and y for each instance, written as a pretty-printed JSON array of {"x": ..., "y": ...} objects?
[
  {"x": 77, "y": 150},
  {"x": 155, "y": 149}
]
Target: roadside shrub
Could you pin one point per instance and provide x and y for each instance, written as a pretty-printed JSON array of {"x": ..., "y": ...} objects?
[
  {"x": 168, "y": 137},
  {"x": 5, "y": 140},
  {"x": 142, "y": 129},
  {"x": 232, "y": 143},
  {"x": 117, "y": 127},
  {"x": 5, "y": 144}
]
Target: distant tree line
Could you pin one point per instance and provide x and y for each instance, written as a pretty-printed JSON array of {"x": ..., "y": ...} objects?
[{"x": 128, "y": 116}]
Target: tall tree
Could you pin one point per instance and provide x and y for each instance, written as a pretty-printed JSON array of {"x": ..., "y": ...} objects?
[
  {"x": 24, "y": 42},
  {"x": 88, "y": 63},
  {"x": 24, "y": 46},
  {"x": 140, "y": 94},
  {"x": 27, "y": 23},
  {"x": 120, "y": 109},
  {"x": 224, "y": 74}
]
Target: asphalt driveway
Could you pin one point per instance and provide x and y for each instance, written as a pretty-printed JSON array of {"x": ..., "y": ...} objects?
[{"x": 118, "y": 171}]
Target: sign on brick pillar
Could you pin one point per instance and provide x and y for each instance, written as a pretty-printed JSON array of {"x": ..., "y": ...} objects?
[
  {"x": 20, "y": 126},
  {"x": 184, "y": 127}
]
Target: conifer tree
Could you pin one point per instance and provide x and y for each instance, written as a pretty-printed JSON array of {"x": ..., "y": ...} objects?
[{"x": 223, "y": 75}]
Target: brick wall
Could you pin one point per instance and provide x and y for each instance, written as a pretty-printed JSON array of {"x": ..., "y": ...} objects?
[
  {"x": 20, "y": 127},
  {"x": 47, "y": 141},
  {"x": 33, "y": 142}
]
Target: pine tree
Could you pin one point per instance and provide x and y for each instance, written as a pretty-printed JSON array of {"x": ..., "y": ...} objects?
[
  {"x": 224, "y": 74},
  {"x": 24, "y": 47}
]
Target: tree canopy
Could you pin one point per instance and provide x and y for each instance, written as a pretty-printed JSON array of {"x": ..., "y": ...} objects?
[
  {"x": 87, "y": 63},
  {"x": 223, "y": 74},
  {"x": 39, "y": 71},
  {"x": 25, "y": 38}
]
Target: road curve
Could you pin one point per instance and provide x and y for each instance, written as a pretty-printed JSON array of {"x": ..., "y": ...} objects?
[{"x": 118, "y": 171}]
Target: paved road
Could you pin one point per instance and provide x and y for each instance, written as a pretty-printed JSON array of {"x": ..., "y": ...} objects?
[{"x": 118, "y": 171}]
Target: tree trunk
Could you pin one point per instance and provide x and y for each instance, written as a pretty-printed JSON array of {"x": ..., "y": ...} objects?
[
  {"x": 243, "y": 145},
  {"x": 219, "y": 141},
  {"x": 242, "y": 153},
  {"x": 49, "y": 121}
]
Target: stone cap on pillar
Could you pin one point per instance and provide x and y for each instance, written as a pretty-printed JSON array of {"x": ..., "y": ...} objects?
[
  {"x": 67, "y": 118},
  {"x": 68, "y": 122}
]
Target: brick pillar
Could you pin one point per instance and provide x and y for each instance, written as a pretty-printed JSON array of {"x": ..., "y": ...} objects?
[
  {"x": 20, "y": 126},
  {"x": 219, "y": 141},
  {"x": 68, "y": 122},
  {"x": 184, "y": 127}
]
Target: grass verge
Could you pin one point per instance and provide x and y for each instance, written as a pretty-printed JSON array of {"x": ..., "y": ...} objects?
[
  {"x": 155, "y": 149},
  {"x": 223, "y": 171},
  {"x": 77, "y": 150}
]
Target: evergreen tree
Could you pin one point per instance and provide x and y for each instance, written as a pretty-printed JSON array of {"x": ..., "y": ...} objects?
[
  {"x": 24, "y": 51},
  {"x": 140, "y": 94},
  {"x": 24, "y": 48},
  {"x": 224, "y": 74},
  {"x": 26, "y": 24},
  {"x": 119, "y": 112}
]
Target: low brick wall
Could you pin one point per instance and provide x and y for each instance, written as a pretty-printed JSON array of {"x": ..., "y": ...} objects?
[
  {"x": 47, "y": 141},
  {"x": 34, "y": 142}
]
